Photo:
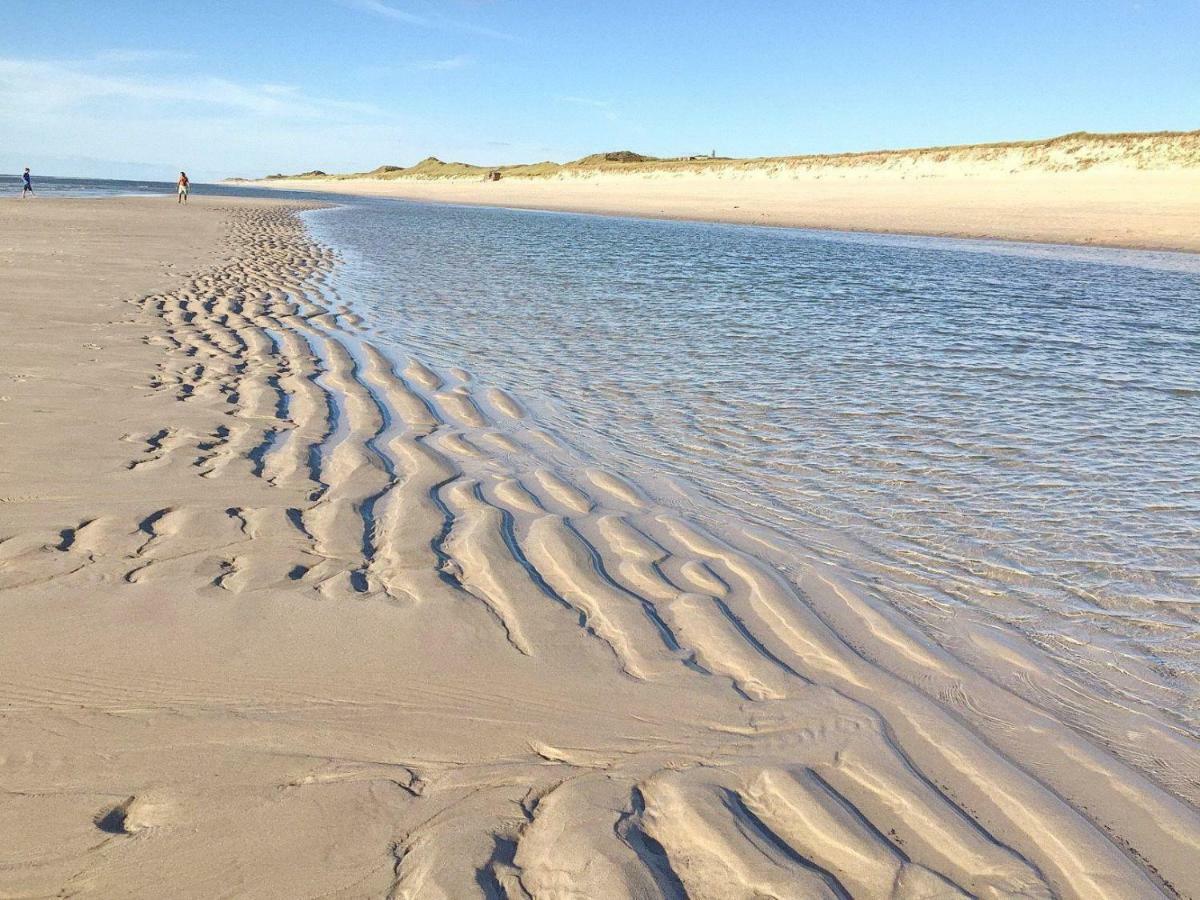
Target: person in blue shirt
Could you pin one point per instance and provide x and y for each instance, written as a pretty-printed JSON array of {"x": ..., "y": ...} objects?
[{"x": 26, "y": 185}]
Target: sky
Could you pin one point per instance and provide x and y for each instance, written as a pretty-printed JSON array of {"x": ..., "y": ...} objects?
[{"x": 107, "y": 88}]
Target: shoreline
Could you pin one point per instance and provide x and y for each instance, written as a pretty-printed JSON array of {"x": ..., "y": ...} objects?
[
  {"x": 262, "y": 577},
  {"x": 1117, "y": 208}
]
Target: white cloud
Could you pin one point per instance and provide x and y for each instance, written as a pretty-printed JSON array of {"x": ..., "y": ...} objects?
[
  {"x": 120, "y": 107},
  {"x": 30, "y": 85},
  {"x": 587, "y": 101},
  {"x": 604, "y": 107},
  {"x": 397, "y": 14},
  {"x": 132, "y": 56},
  {"x": 388, "y": 12},
  {"x": 441, "y": 65}
]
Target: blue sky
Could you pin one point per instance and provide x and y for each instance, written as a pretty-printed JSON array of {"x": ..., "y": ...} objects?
[{"x": 141, "y": 89}]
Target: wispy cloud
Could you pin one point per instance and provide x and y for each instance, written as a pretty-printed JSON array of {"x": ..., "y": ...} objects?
[
  {"x": 133, "y": 57},
  {"x": 431, "y": 21},
  {"x": 586, "y": 101},
  {"x": 605, "y": 107},
  {"x": 393, "y": 70},
  {"x": 118, "y": 106},
  {"x": 441, "y": 65},
  {"x": 49, "y": 85},
  {"x": 389, "y": 12}
]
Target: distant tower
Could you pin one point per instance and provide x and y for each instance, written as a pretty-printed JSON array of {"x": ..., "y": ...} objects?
[{"x": 714, "y": 154}]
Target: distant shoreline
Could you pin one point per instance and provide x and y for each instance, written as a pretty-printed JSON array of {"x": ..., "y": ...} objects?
[
  {"x": 1137, "y": 191},
  {"x": 1156, "y": 215}
]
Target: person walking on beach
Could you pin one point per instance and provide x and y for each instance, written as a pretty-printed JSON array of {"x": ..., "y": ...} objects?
[
  {"x": 26, "y": 185},
  {"x": 183, "y": 187}
]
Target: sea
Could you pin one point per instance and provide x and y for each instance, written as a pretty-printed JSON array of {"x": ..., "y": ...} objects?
[{"x": 104, "y": 187}]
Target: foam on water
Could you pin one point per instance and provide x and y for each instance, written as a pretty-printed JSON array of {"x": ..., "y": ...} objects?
[{"x": 984, "y": 432}]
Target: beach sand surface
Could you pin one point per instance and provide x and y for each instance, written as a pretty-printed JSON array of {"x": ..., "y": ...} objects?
[
  {"x": 1139, "y": 191},
  {"x": 283, "y": 614}
]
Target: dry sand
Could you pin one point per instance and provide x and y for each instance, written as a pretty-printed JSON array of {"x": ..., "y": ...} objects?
[
  {"x": 1138, "y": 191},
  {"x": 282, "y": 616}
]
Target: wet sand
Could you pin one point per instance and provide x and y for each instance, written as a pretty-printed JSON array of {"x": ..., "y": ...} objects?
[{"x": 286, "y": 615}]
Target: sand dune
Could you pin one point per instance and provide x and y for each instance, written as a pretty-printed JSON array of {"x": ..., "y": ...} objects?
[
  {"x": 285, "y": 614},
  {"x": 1119, "y": 190}
]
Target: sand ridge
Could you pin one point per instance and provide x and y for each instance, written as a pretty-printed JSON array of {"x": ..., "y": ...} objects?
[{"x": 358, "y": 625}]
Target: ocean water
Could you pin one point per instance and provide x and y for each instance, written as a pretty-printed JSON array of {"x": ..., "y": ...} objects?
[
  {"x": 978, "y": 431},
  {"x": 10, "y": 185}
]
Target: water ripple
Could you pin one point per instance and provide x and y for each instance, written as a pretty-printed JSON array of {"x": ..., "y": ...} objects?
[{"x": 994, "y": 430}]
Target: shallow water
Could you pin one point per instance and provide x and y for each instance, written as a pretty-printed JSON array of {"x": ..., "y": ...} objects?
[
  {"x": 10, "y": 185},
  {"x": 998, "y": 432}
]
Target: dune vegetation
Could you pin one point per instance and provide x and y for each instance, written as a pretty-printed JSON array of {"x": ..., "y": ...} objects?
[{"x": 1077, "y": 151}]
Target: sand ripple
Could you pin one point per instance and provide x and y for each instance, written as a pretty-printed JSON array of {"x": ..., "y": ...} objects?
[{"x": 618, "y": 701}]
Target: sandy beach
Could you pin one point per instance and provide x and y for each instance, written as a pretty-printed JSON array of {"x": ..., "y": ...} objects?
[
  {"x": 285, "y": 615},
  {"x": 1139, "y": 191}
]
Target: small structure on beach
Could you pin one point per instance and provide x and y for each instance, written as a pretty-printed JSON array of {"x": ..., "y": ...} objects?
[{"x": 493, "y": 175}]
